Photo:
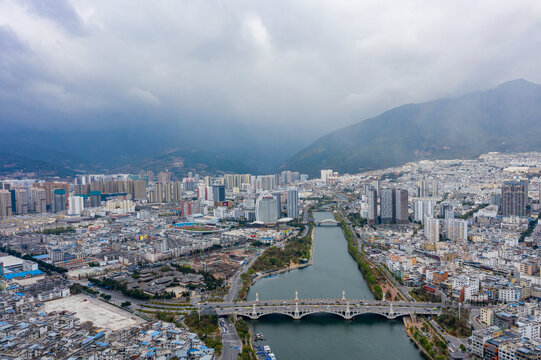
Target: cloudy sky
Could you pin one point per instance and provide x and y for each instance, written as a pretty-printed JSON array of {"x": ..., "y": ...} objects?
[{"x": 322, "y": 64}]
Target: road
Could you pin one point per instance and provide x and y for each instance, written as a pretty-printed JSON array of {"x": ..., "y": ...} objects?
[
  {"x": 352, "y": 302},
  {"x": 344, "y": 308},
  {"x": 475, "y": 312},
  {"x": 117, "y": 297},
  {"x": 235, "y": 284},
  {"x": 452, "y": 342},
  {"x": 231, "y": 344},
  {"x": 404, "y": 290}
]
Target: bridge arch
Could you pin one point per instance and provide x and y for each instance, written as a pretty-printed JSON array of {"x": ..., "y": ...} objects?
[{"x": 292, "y": 314}]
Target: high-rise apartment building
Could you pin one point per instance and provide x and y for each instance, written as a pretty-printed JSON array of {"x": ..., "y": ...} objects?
[
  {"x": 49, "y": 188},
  {"x": 189, "y": 207},
  {"x": 514, "y": 198},
  {"x": 168, "y": 192},
  {"x": 388, "y": 206},
  {"x": 325, "y": 174},
  {"x": 94, "y": 199},
  {"x": 423, "y": 209},
  {"x": 372, "y": 207},
  {"x": 232, "y": 181},
  {"x": 265, "y": 182},
  {"x": 188, "y": 184},
  {"x": 177, "y": 191},
  {"x": 202, "y": 193},
  {"x": 435, "y": 189},
  {"x": 289, "y": 177},
  {"x": 278, "y": 197},
  {"x": 432, "y": 229},
  {"x": 147, "y": 175},
  {"x": 292, "y": 203},
  {"x": 75, "y": 205},
  {"x": 59, "y": 200},
  {"x": 266, "y": 208},
  {"x": 5, "y": 203},
  {"x": 139, "y": 190},
  {"x": 218, "y": 193},
  {"x": 457, "y": 229},
  {"x": 38, "y": 200},
  {"x": 134, "y": 189},
  {"x": 159, "y": 188},
  {"x": 402, "y": 216},
  {"x": 422, "y": 189},
  {"x": 165, "y": 176},
  {"x": 19, "y": 201}
]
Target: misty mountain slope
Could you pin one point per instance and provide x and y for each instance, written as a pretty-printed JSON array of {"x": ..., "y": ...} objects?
[
  {"x": 11, "y": 163},
  {"x": 507, "y": 118},
  {"x": 206, "y": 147},
  {"x": 181, "y": 161}
]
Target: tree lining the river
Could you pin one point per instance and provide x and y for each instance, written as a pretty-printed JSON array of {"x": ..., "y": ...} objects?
[
  {"x": 372, "y": 274},
  {"x": 275, "y": 259}
]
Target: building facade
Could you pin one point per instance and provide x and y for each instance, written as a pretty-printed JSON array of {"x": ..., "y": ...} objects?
[
  {"x": 292, "y": 203},
  {"x": 514, "y": 198},
  {"x": 266, "y": 208}
]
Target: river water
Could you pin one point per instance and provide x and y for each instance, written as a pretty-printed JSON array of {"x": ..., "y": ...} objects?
[{"x": 322, "y": 336}]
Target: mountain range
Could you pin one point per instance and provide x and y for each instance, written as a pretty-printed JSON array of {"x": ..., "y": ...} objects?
[
  {"x": 180, "y": 148},
  {"x": 504, "y": 119}
]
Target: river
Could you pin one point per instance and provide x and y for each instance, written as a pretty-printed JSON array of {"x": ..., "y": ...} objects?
[{"x": 321, "y": 336}]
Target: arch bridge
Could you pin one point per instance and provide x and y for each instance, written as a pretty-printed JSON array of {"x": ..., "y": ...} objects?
[
  {"x": 327, "y": 222},
  {"x": 345, "y": 308}
]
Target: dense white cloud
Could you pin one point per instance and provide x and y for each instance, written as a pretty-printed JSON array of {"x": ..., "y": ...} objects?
[{"x": 307, "y": 62}]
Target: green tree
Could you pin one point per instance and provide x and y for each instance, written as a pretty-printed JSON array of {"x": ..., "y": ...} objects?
[{"x": 378, "y": 292}]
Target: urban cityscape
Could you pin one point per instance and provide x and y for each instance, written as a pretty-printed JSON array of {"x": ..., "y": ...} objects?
[
  {"x": 148, "y": 265},
  {"x": 270, "y": 180}
]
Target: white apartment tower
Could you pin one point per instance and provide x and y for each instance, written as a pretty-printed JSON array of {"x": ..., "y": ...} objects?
[{"x": 432, "y": 229}]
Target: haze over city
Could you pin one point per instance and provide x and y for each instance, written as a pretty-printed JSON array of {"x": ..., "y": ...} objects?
[{"x": 255, "y": 180}]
